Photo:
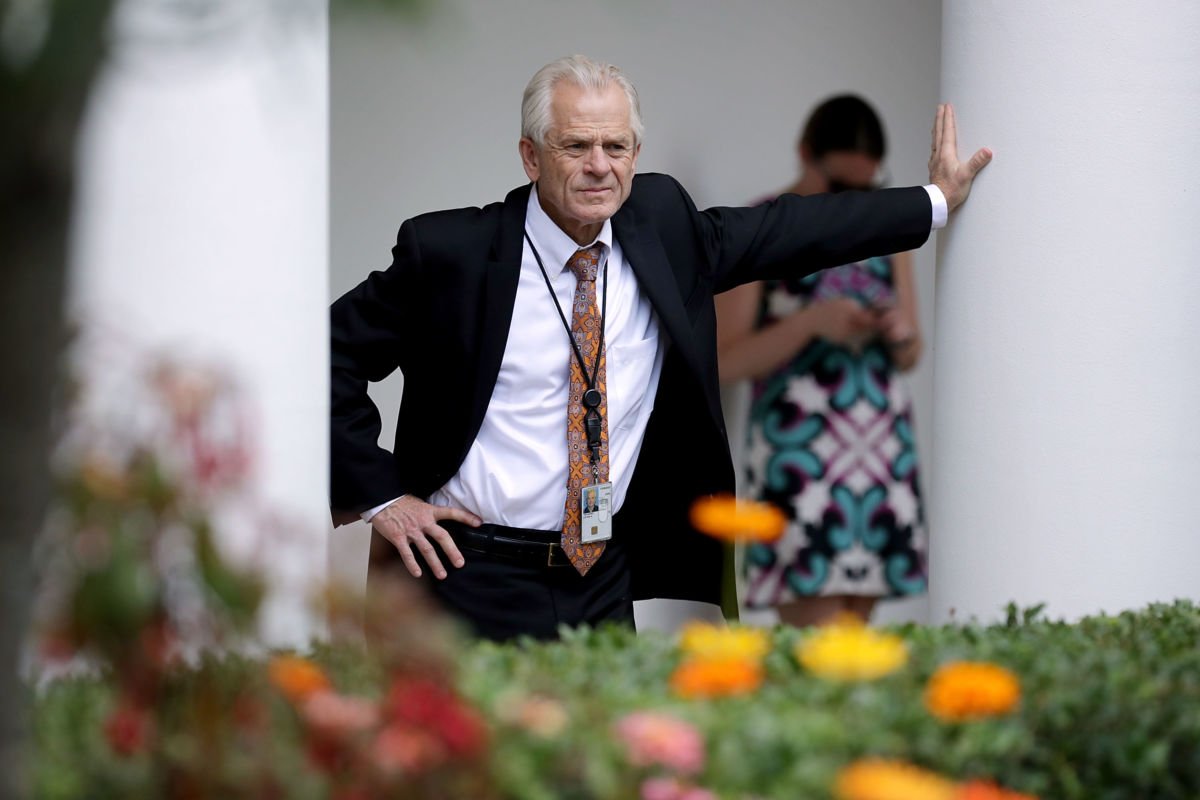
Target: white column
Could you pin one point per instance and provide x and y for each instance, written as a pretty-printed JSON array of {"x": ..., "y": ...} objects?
[
  {"x": 202, "y": 237},
  {"x": 1066, "y": 463}
]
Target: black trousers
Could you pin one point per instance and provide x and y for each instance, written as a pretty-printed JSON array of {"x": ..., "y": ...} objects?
[{"x": 500, "y": 598}]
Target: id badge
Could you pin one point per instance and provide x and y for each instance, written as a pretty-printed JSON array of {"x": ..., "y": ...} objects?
[{"x": 596, "y": 518}]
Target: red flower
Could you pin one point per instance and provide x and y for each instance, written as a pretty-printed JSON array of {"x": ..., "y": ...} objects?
[
  {"x": 986, "y": 790},
  {"x": 425, "y": 704},
  {"x": 128, "y": 730},
  {"x": 325, "y": 753}
]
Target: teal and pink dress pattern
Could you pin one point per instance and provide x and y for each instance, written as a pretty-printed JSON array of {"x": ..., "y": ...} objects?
[{"x": 831, "y": 444}]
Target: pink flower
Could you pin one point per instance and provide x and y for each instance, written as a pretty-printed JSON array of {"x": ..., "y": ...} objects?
[
  {"x": 653, "y": 738},
  {"x": 337, "y": 715},
  {"x": 673, "y": 789},
  {"x": 402, "y": 749},
  {"x": 661, "y": 789}
]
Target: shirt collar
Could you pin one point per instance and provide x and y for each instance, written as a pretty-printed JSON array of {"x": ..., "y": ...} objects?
[{"x": 555, "y": 247}]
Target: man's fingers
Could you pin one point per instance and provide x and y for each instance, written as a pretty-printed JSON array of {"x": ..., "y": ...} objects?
[
  {"x": 937, "y": 127},
  {"x": 406, "y": 555},
  {"x": 980, "y": 160},
  {"x": 457, "y": 514},
  {"x": 949, "y": 138},
  {"x": 430, "y": 554},
  {"x": 443, "y": 538}
]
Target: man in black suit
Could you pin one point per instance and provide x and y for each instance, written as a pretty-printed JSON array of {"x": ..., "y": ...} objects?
[{"x": 481, "y": 313}]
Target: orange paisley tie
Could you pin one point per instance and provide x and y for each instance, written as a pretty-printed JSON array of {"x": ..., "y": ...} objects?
[{"x": 585, "y": 328}]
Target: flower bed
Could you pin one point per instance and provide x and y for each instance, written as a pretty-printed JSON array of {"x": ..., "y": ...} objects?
[{"x": 1106, "y": 708}]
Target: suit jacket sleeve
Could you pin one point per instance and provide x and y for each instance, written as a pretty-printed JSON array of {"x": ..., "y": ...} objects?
[
  {"x": 793, "y": 236},
  {"x": 368, "y": 340}
]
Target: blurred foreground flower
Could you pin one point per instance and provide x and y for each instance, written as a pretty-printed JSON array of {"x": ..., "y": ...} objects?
[
  {"x": 848, "y": 650},
  {"x": 702, "y": 640},
  {"x": 296, "y": 677},
  {"x": 422, "y": 703},
  {"x": 985, "y": 790},
  {"x": 128, "y": 730},
  {"x": 716, "y": 677},
  {"x": 732, "y": 520},
  {"x": 673, "y": 789},
  {"x": 333, "y": 714},
  {"x": 652, "y": 738},
  {"x": 881, "y": 779},
  {"x": 963, "y": 690},
  {"x": 539, "y": 715}
]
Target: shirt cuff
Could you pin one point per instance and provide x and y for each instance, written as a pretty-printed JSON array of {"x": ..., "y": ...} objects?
[
  {"x": 940, "y": 212},
  {"x": 370, "y": 512}
]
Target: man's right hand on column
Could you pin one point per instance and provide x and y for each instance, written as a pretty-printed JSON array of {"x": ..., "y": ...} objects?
[
  {"x": 952, "y": 176},
  {"x": 410, "y": 521}
]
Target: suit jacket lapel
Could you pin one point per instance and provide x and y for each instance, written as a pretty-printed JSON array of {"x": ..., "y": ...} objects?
[
  {"x": 503, "y": 272},
  {"x": 646, "y": 255},
  {"x": 644, "y": 251}
]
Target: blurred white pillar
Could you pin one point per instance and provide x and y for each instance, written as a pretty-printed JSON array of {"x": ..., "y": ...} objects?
[
  {"x": 1067, "y": 452},
  {"x": 202, "y": 236}
]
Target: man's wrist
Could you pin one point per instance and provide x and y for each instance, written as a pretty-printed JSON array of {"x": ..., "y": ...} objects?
[
  {"x": 371, "y": 512},
  {"x": 941, "y": 211}
]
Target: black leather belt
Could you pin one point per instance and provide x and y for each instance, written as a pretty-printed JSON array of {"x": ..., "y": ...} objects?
[{"x": 525, "y": 545}]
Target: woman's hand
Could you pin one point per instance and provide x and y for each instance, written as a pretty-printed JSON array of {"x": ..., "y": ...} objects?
[
  {"x": 844, "y": 321},
  {"x": 899, "y": 333}
]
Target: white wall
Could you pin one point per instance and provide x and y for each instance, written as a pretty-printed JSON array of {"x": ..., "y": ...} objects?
[
  {"x": 426, "y": 116},
  {"x": 201, "y": 236},
  {"x": 1067, "y": 444}
]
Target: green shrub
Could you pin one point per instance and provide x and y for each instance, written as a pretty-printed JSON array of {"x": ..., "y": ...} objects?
[{"x": 1109, "y": 710}]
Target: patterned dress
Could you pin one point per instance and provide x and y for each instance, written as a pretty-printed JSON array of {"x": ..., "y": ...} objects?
[{"x": 831, "y": 443}]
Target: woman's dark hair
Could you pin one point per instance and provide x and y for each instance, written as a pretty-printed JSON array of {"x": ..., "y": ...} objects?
[{"x": 844, "y": 122}]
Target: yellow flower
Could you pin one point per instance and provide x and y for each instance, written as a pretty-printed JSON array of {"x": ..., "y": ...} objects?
[
  {"x": 727, "y": 518},
  {"x": 963, "y": 690},
  {"x": 296, "y": 677},
  {"x": 848, "y": 650},
  {"x": 702, "y": 640},
  {"x": 716, "y": 677},
  {"x": 881, "y": 779},
  {"x": 104, "y": 479}
]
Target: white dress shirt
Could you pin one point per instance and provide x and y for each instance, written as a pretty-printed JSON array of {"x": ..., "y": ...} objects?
[{"x": 515, "y": 473}]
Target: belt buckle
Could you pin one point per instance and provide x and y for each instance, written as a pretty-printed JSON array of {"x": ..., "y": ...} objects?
[{"x": 550, "y": 562}]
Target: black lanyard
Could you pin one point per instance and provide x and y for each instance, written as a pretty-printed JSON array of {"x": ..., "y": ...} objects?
[
  {"x": 591, "y": 397},
  {"x": 590, "y": 378}
]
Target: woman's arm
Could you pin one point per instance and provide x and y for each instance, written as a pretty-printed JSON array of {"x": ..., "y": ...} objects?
[
  {"x": 900, "y": 326},
  {"x": 746, "y": 352}
]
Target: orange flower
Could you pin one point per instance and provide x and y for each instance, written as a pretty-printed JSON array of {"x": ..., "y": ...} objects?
[
  {"x": 881, "y": 779},
  {"x": 296, "y": 677},
  {"x": 716, "y": 677},
  {"x": 986, "y": 790},
  {"x": 727, "y": 518},
  {"x": 963, "y": 690}
]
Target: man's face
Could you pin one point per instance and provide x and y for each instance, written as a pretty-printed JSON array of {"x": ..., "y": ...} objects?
[
  {"x": 585, "y": 170},
  {"x": 591, "y": 497}
]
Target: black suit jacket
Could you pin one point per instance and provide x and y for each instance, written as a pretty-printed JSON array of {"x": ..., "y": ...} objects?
[{"x": 442, "y": 311}]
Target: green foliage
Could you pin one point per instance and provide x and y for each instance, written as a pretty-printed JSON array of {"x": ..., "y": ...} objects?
[{"x": 1110, "y": 710}]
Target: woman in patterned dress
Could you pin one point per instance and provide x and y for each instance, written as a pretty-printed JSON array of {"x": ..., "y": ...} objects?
[{"x": 830, "y": 436}]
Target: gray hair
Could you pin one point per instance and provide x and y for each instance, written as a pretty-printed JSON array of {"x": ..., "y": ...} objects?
[{"x": 580, "y": 71}]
